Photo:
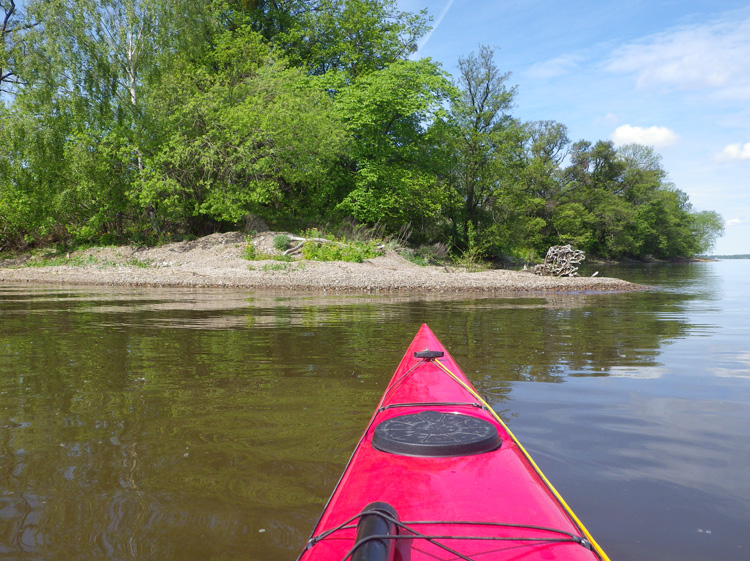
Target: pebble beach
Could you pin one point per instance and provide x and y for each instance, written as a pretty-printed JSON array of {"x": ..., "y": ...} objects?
[{"x": 217, "y": 261}]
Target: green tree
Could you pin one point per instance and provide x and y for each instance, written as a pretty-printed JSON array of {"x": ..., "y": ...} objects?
[
  {"x": 269, "y": 18},
  {"x": 546, "y": 148},
  {"x": 483, "y": 146},
  {"x": 707, "y": 226},
  {"x": 33, "y": 166},
  {"x": 14, "y": 26},
  {"x": 630, "y": 207},
  {"x": 86, "y": 67},
  {"x": 243, "y": 134},
  {"x": 391, "y": 168},
  {"x": 355, "y": 37},
  {"x": 594, "y": 181}
]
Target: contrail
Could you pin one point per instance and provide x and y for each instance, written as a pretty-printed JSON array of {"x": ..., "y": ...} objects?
[{"x": 421, "y": 45}]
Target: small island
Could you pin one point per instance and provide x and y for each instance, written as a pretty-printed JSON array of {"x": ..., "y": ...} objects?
[{"x": 297, "y": 117}]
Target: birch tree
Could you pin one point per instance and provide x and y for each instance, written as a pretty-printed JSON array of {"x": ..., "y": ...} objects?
[{"x": 88, "y": 66}]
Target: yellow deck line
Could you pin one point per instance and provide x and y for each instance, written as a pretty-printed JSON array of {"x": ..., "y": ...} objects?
[{"x": 551, "y": 487}]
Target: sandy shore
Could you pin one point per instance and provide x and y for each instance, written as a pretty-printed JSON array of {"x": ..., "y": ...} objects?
[{"x": 216, "y": 261}]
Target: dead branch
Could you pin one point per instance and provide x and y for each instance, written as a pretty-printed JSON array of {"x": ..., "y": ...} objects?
[{"x": 303, "y": 241}]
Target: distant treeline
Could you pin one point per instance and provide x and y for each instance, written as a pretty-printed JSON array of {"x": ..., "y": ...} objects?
[{"x": 139, "y": 120}]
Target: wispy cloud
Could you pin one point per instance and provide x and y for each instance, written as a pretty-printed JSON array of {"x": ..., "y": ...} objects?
[
  {"x": 708, "y": 56},
  {"x": 735, "y": 152},
  {"x": 423, "y": 42},
  {"x": 610, "y": 119},
  {"x": 659, "y": 137},
  {"x": 733, "y": 222},
  {"x": 558, "y": 66}
]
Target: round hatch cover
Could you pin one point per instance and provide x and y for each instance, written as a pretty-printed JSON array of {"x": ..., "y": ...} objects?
[{"x": 435, "y": 434}]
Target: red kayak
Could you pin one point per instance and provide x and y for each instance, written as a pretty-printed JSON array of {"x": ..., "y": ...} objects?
[{"x": 438, "y": 476}]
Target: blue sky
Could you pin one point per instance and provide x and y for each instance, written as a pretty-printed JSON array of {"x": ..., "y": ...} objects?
[{"x": 674, "y": 75}]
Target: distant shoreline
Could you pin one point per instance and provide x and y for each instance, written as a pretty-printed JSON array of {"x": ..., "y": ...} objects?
[{"x": 216, "y": 261}]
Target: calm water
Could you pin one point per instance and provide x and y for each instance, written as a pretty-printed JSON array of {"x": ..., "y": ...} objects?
[{"x": 212, "y": 425}]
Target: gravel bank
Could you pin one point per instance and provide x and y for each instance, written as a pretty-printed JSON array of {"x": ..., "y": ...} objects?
[{"x": 216, "y": 261}]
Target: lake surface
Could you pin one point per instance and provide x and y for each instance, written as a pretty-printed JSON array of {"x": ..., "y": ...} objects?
[{"x": 213, "y": 424}]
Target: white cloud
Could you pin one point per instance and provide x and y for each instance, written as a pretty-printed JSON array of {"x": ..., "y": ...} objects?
[
  {"x": 735, "y": 152},
  {"x": 658, "y": 137},
  {"x": 708, "y": 56},
  {"x": 608, "y": 119},
  {"x": 554, "y": 67},
  {"x": 733, "y": 222}
]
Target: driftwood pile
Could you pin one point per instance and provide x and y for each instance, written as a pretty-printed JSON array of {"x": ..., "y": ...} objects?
[{"x": 561, "y": 261}]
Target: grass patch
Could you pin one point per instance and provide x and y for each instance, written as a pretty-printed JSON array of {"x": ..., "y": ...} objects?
[
  {"x": 351, "y": 251},
  {"x": 140, "y": 263},
  {"x": 277, "y": 267},
  {"x": 337, "y": 249},
  {"x": 251, "y": 253},
  {"x": 63, "y": 260}
]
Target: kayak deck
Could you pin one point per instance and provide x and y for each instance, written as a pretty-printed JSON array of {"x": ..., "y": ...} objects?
[{"x": 460, "y": 485}]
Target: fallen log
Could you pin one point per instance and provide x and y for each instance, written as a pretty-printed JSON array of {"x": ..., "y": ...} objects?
[{"x": 303, "y": 241}]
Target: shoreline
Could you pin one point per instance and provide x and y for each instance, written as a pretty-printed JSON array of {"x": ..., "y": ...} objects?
[{"x": 216, "y": 261}]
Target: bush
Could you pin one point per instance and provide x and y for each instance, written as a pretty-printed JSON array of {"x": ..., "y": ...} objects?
[
  {"x": 250, "y": 252},
  {"x": 281, "y": 242},
  {"x": 354, "y": 252}
]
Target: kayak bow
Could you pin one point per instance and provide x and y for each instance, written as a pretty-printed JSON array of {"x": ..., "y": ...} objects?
[{"x": 437, "y": 475}]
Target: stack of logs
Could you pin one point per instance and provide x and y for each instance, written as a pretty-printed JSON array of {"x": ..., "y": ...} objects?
[{"x": 561, "y": 261}]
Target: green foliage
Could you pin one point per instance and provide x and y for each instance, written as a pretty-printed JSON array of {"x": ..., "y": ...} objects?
[
  {"x": 79, "y": 123},
  {"x": 355, "y": 37},
  {"x": 572, "y": 224},
  {"x": 471, "y": 258},
  {"x": 387, "y": 112},
  {"x": 352, "y": 251},
  {"x": 617, "y": 203},
  {"x": 472, "y": 261},
  {"x": 16, "y": 26},
  {"x": 146, "y": 120},
  {"x": 281, "y": 242},
  {"x": 253, "y": 137},
  {"x": 140, "y": 263},
  {"x": 250, "y": 252},
  {"x": 481, "y": 144},
  {"x": 706, "y": 227},
  {"x": 424, "y": 255}
]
